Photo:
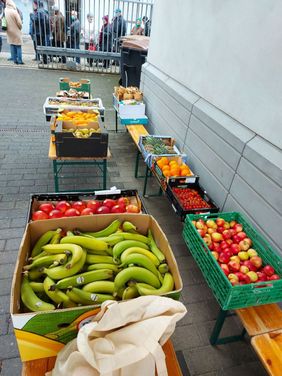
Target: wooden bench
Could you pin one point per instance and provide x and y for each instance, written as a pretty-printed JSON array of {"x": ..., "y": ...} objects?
[
  {"x": 135, "y": 131},
  {"x": 268, "y": 346},
  {"x": 40, "y": 366}
]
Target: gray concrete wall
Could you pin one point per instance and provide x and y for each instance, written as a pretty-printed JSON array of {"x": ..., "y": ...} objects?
[{"x": 240, "y": 170}]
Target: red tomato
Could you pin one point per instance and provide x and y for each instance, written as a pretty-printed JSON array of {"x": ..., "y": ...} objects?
[
  {"x": 39, "y": 215},
  {"x": 79, "y": 205},
  {"x": 118, "y": 209},
  {"x": 72, "y": 213},
  {"x": 55, "y": 214},
  {"x": 94, "y": 205},
  {"x": 87, "y": 211},
  {"x": 63, "y": 206},
  {"x": 109, "y": 203},
  {"x": 103, "y": 210},
  {"x": 46, "y": 207}
]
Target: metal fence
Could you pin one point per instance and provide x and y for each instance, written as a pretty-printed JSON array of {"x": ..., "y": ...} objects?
[{"x": 85, "y": 35}]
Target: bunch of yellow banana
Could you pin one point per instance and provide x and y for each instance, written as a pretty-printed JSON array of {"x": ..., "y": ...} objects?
[{"x": 88, "y": 268}]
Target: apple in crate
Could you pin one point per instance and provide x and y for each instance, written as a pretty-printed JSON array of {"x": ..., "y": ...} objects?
[
  {"x": 268, "y": 270},
  {"x": 216, "y": 237},
  {"x": 238, "y": 227},
  {"x": 200, "y": 224},
  {"x": 78, "y": 205},
  {"x": 207, "y": 239},
  {"x": 87, "y": 211},
  {"x": 261, "y": 276},
  {"x": 39, "y": 215},
  {"x": 118, "y": 209},
  {"x": 103, "y": 210},
  {"x": 249, "y": 265},
  {"x": 234, "y": 266},
  {"x": 244, "y": 244},
  {"x": 235, "y": 248},
  {"x": 211, "y": 224},
  {"x": 93, "y": 205},
  {"x": 134, "y": 209},
  {"x": 256, "y": 261},
  {"x": 243, "y": 255},
  {"x": 215, "y": 254},
  {"x": 109, "y": 203},
  {"x": 244, "y": 269},
  {"x": 251, "y": 252},
  {"x": 225, "y": 269},
  {"x": 56, "y": 214},
  {"x": 220, "y": 221},
  {"x": 253, "y": 276},
  {"x": 274, "y": 277},
  {"x": 46, "y": 207},
  {"x": 235, "y": 258},
  {"x": 72, "y": 213}
]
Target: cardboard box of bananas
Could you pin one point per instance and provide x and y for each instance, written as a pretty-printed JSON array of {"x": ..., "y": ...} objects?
[{"x": 71, "y": 263}]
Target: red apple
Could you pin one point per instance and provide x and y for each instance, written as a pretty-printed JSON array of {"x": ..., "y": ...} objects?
[
  {"x": 123, "y": 201},
  {"x": 226, "y": 225},
  {"x": 226, "y": 234},
  {"x": 249, "y": 265},
  {"x": 39, "y": 215},
  {"x": 244, "y": 269},
  {"x": 220, "y": 229},
  {"x": 118, "y": 209},
  {"x": 244, "y": 245},
  {"x": 262, "y": 276},
  {"x": 234, "y": 282},
  {"x": 246, "y": 278},
  {"x": 227, "y": 252},
  {"x": 215, "y": 254},
  {"x": 268, "y": 270},
  {"x": 274, "y": 277},
  {"x": 240, "y": 275},
  {"x": 56, "y": 214},
  {"x": 87, "y": 211},
  {"x": 216, "y": 247},
  {"x": 201, "y": 232},
  {"x": 232, "y": 232},
  {"x": 238, "y": 227},
  {"x": 234, "y": 266},
  {"x": 94, "y": 205},
  {"x": 225, "y": 269},
  {"x": 253, "y": 276},
  {"x": 242, "y": 235},
  {"x": 103, "y": 210},
  {"x": 72, "y": 212},
  {"x": 224, "y": 244},
  {"x": 223, "y": 258},
  {"x": 252, "y": 252},
  {"x": 63, "y": 206},
  {"x": 220, "y": 221},
  {"x": 132, "y": 209},
  {"x": 235, "y": 248},
  {"x": 216, "y": 237},
  {"x": 200, "y": 224},
  {"x": 46, "y": 207},
  {"x": 232, "y": 223},
  {"x": 256, "y": 261},
  {"x": 78, "y": 205},
  {"x": 243, "y": 255},
  {"x": 229, "y": 241},
  {"x": 236, "y": 239},
  {"x": 109, "y": 203}
]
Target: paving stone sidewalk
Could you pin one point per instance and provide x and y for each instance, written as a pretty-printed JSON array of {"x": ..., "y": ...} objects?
[{"x": 25, "y": 169}]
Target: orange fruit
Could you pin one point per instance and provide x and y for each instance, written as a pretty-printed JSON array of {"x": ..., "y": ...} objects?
[
  {"x": 175, "y": 171},
  {"x": 173, "y": 163},
  {"x": 165, "y": 160},
  {"x": 160, "y": 163},
  {"x": 185, "y": 172},
  {"x": 165, "y": 168},
  {"x": 166, "y": 173}
]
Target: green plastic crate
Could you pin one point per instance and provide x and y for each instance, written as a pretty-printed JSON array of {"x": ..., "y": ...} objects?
[
  {"x": 228, "y": 296},
  {"x": 85, "y": 85}
]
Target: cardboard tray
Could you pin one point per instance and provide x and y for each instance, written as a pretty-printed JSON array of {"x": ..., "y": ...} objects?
[
  {"x": 176, "y": 204},
  {"x": 37, "y": 199},
  {"x": 35, "y": 330},
  {"x": 85, "y": 85},
  {"x": 51, "y": 109}
]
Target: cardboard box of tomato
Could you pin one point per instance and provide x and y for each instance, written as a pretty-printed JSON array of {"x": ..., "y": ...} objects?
[{"x": 71, "y": 204}]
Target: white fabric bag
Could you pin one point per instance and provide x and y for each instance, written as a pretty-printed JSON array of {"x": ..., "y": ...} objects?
[{"x": 125, "y": 340}]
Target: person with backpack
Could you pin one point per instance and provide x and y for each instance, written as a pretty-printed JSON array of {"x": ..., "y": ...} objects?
[
  {"x": 42, "y": 28},
  {"x": 14, "y": 30}
]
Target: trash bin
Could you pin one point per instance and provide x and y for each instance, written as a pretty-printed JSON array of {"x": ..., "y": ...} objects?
[{"x": 134, "y": 51}]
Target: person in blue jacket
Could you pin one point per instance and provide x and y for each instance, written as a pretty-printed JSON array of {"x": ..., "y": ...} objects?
[
  {"x": 32, "y": 28},
  {"x": 42, "y": 28}
]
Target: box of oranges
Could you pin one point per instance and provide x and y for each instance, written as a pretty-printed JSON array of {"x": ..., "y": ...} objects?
[{"x": 172, "y": 169}]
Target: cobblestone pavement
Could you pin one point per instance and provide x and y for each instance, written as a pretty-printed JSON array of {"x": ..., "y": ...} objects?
[{"x": 25, "y": 169}]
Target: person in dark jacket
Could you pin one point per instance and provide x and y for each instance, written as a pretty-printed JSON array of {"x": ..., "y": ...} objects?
[
  {"x": 118, "y": 29},
  {"x": 105, "y": 39},
  {"x": 58, "y": 31},
  {"x": 74, "y": 33},
  {"x": 147, "y": 26},
  {"x": 32, "y": 28},
  {"x": 42, "y": 28}
]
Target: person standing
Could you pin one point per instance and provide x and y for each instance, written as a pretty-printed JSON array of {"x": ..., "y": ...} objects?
[
  {"x": 14, "y": 30},
  {"x": 32, "y": 28},
  {"x": 75, "y": 33},
  {"x": 105, "y": 39},
  {"x": 88, "y": 33},
  {"x": 147, "y": 26},
  {"x": 118, "y": 29},
  {"x": 137, "y": 28},
  {"x": 58, "y": 31},
  {"x": 42, "y": 28}
]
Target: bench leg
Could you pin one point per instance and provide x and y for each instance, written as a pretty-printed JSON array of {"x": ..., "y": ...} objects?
[
  {"x": 56, "y": 178},
  {"x": 105, "y": 174},
  {"x": 137, "y": 164},
  {"x": 146, "y": 181},
  {"x": 116, "y": 121},
  {"x": 214, "y": 338}
]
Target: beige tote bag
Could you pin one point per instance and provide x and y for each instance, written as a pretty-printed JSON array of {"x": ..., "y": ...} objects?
[{"x": 124, "y": 340}]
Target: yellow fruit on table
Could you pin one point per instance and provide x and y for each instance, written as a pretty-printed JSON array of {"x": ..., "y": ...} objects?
[
  {"x": 166, "y": 173},
  {"x": 165, "y": 168},
  {"x": 175, "y": 171},
  {"x": 185, "y": 172},
  {"x": 171, "y": 163}
]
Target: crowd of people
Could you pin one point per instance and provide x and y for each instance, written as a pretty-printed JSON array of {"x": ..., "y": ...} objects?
[{"x": 57, "y": 31}]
